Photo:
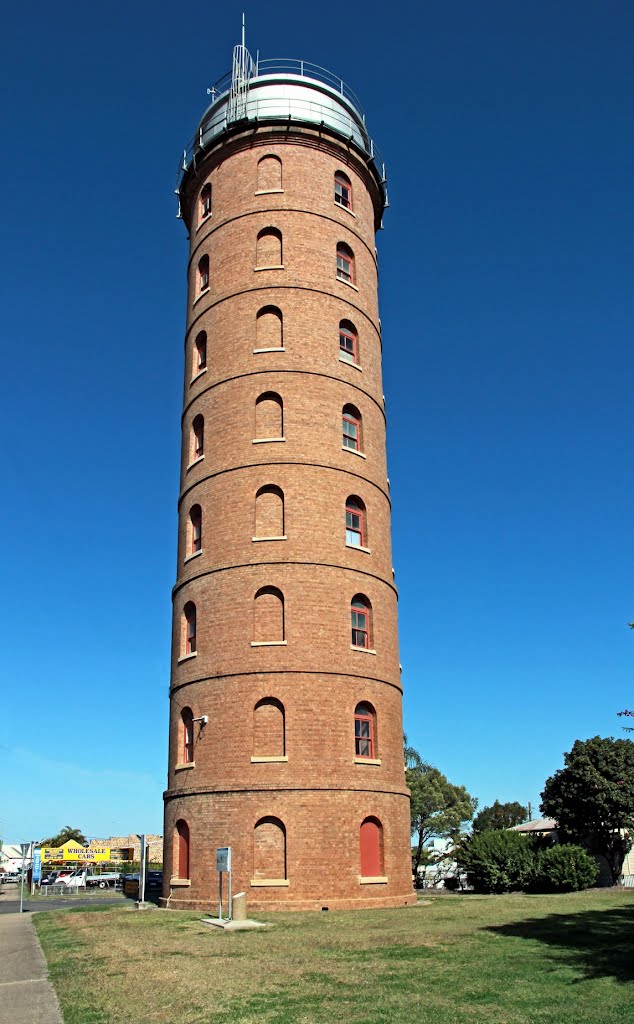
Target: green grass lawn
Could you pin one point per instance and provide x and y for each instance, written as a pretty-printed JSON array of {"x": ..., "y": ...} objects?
[{"x": 455, "y": 960}]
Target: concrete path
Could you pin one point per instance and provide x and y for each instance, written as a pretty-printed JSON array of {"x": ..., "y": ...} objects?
[{"x": 26, "y": 995}]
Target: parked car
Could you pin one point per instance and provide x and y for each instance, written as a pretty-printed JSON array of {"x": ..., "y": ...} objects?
[
  {"x": 9, "y": 876},
  {"x": 153, "y": 884},
  {"x": 49, "y": 879}
]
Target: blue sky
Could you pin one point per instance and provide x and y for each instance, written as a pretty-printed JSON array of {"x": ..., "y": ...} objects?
[{"x": 507, "y": 311}]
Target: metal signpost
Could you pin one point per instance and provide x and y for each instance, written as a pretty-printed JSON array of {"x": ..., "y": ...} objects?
[
  {"x": 223, "y": 863},
  {"x": 25, "y": 847},
  {"x": 143, "y": 869}
]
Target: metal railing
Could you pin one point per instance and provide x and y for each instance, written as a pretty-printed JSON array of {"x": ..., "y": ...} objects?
[
  {"x": 283, "y": 109},
  {"x": 291, "y": 66}
]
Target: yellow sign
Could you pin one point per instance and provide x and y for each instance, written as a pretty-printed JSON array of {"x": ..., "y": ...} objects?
[{"x": 74, "y": 852}]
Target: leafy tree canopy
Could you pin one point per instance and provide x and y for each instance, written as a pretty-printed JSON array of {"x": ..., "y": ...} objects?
[
  {"x": 497, "y": 861},
  {"x": 438, "y": 808},
  {"x": 68, "y": 834},
  {"x": 499, "y": 816},
  {"x": 592, "y": 798}
]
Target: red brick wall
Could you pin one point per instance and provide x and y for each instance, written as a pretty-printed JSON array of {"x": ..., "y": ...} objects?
[{"x": 315, "y": 788}]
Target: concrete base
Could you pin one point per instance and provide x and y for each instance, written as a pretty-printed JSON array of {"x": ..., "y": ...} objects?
[
  {"x": 233, "y": 926},
  {"x": 145, "y": 906}
]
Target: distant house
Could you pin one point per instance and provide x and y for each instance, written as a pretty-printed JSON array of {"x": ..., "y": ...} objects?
[
  {"x": 538, "y": 827},
  {"x": 548, "y": 827},
  {"x": 11, "y": 858}
]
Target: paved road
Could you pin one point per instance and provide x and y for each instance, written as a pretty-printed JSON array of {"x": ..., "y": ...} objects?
[{"x": 10, "y": 905}]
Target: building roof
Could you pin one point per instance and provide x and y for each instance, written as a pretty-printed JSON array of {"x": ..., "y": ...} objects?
[{"x": 539, "y": 825}]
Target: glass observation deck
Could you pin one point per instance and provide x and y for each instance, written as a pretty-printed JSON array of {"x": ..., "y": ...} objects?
[{"x": 278, "y": 92}]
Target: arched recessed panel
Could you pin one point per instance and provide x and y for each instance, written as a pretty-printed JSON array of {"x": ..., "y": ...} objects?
[
  {"x": 269, "y": 738},
  {"x": 268, "y": 252},
  {"x": 269, "y": 615},
  {"x": 269, "y": 416},
  {"x": 269, "y": 849},
  {"x": 269, "y": 512},
  {"x": 371, "y": 848},
  {"x": 181, "y": 849},
  {"x": 269, "y": 328},
  {"x": 269, "y": 173}
]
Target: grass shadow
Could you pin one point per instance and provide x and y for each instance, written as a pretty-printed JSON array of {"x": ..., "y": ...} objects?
[{"x": 599, "y": 943}]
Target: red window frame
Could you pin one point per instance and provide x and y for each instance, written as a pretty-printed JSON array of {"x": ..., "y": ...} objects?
[
  {"x": 196, "y": 519},
  {"x": 348, "y": 345},
  {"x": 354, "y": 437},
  {"x": 201, "y": 351},
  {"x": 343, "y": 190},
  {"x": 361, "y": 719},
  {"x": 355, "y": 522},
  {"x": 203, "y": 273},
  {"x": 190, "y": 629},
  {"x": 360, "y": 623},
  {"x": 345, "y": 265},
  {"x": 205, "y": 202},
  {"x": 198, "y": 427},
  {"x": 188, "y": 737}
]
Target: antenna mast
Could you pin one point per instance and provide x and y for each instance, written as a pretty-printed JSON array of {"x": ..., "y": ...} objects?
[{"x": 242, "y": 72}]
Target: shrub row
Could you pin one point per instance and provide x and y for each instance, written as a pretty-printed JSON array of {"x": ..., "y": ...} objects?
[{"x": 500, "y": 861}]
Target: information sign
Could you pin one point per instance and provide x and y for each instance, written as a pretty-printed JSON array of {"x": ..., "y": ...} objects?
[{"x": 223, "y": 858}]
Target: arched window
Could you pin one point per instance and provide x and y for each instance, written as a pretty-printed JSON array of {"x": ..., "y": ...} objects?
[
  {"x": 200, "y": 353},
  {"x": 361, "y": 621},
  {"x": 269, "y": 512},
  {"x": 189, "y": 628},
  {"x": 205, "y": 201},
  {"x": 269, "y": 616},
  {"x": 269, "y": 850},
  {"x": 355, "y": 522},
  {"x": 364, "y": 731},
  {"x": 195, "y": 530},
  {"x": 269, "y": 417},
  {"x": 269, "y": 174},
  {"x": 371, "y": 848},
  {"x": 348, "y": 342},
  {"x": 187, "y": 736},
  {"x": 345, "y": 263},
  {"x": 351, "y": 428},
  {"x": 269, "y": 328},
  {"x": 198, "y": 438},
  {"x": 181, "y": 851},
  {"x": 343, "y": 190},
  {"x": 203, "y": 273},
  {"x": 268, "y": 249},
  {"x": 269, "y": 738}
]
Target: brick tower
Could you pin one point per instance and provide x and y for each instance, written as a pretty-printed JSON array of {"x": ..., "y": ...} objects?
[{"x": 286, "y": 739}]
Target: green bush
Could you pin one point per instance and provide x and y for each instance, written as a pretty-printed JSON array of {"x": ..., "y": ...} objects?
[
  {"x": 497, "y": 861},
  {"x": 565, "y": 869}
]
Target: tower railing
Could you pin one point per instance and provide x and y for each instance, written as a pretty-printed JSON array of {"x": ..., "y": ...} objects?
[{"x": 283, "y": 109}]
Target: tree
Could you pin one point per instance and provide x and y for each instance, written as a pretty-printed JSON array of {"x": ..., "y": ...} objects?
[
  {"x": 438, "y": 808},
  {"x": 68, "y": 834},
  {"x": 499, "y": 816},
  {"x": 592, "y": 798},
  {"x": 497, "y": 861}
]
